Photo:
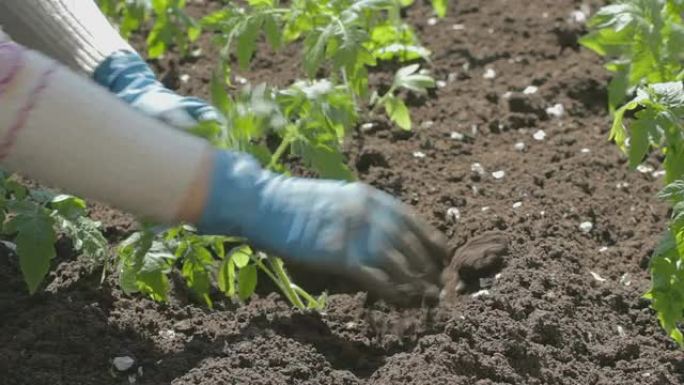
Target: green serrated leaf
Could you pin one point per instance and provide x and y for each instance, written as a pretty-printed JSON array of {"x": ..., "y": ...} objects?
[
  {"x": 639, "y": 141},
  {"x": 326, "y": 160},
  {"x": 68, "y": 206},
  {"x": 247, "y": 281},
  {"x": 246, "y": 41},
  {"x": 35, "y": 239},
  {"x": 241, "y": 256},
  {"x": 226, "y": 277},
  {"x": 440, "y": 7},
  {"x": 398, "y": 113},
  {"x": 272, "y": 31}
]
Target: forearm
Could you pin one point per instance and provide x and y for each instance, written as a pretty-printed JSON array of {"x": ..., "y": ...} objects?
[
  {"x": 63, "y": 130},
  {"x": 73, "y": 32}
]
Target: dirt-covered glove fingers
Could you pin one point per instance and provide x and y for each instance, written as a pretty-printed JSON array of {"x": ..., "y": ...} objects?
[
  {"x": 431, "y": 243},
  {"x": 418, "y": 255},
  {"x": 432, "y": 239}
]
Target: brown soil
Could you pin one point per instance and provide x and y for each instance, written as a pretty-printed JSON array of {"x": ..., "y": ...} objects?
[{"x": 544, "y": 319}]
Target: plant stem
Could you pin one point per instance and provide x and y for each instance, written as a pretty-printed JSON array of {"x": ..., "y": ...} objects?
[
  {"x": 277, "y": 265},
  {"x": 280, "y": 151},
  {"x": 383, "y": 99}
]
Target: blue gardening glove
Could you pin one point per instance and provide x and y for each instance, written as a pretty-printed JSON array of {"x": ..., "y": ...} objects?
[
  {"x": 347, "y": 228},
  {"x": 128, "y": 76}
]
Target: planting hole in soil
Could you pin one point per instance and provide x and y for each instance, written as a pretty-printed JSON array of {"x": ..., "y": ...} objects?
[{"x": 508, "y": 156}]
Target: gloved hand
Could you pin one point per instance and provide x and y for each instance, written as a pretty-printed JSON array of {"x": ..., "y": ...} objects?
[
  {"x": 128, "y": 76},
  {"x": 342, "y": 227}
]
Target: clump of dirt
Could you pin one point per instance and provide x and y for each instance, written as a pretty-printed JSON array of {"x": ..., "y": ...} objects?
[{"x": 546, "y": 304}]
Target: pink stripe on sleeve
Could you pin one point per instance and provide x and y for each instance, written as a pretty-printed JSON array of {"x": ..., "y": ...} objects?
[
  {"x": 11, "y": 60},
  {"x": 10, "y": 137}
]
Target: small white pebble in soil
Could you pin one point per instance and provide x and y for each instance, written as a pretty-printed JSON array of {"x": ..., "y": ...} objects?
[
  {"x": 520, "y": 146},
  {"x": 474, "y": 129},
  {"x": 539, "y": 135},
  {"x": 622, "y": 185},
  {"x": 585, "y": 150},
  {"x": 491, "y": 31},
  {"x": 350, "y": 325},
  {"x": 480, "y": 293},
  {"x": 456, "y": 136},
  {"x": 123, "y": 363},
  {"x": 184, "y": 78},
  {"x": 458, "y": 27},
  {"x": 530, "y": 90},
  {"x": 419, "y": 154},
  {"x": 452, "y": 77},
  {"x": 196, "y": 53},
  {"x": 586, "y": 227},
  {"x": 432, "y": 21},
  {"x": 545, "y": 15},
  {"x": 497, "y": 276},
  {"x": 542, "y": 213},
  {"x": 578, "y": 17},
  {"x": 658, "y": 174},
  {"x": 486, "y": 282},
  {"x": 597, "y": 277},
  {"x": 507, "y": 95},
  {"x": 621, "y": 331},
  {"x": 517, "y": 205},
  {"x": 499, "y": 174},
  {"x": 453, "y": 214},
  {"x": 646, "y": 374},
  {"x": 489, "y": 74},
  {"x": 477, "y": 168},
  {"x": 485, "y": 209},
  {"x": 603, "y": 249},
  {"x": 440, "y": 83},
  {"x": 167, "y": 334},
  {"x": 625, "y": 279},
  {"x": 645, "y": 168},
  {"x": 556, "y": 111},
  {"x": 367, "y": 126},
  {"x": 427, "y": 124}
]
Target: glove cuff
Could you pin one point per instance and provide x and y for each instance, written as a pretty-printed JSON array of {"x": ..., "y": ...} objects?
[
  {"x": 235, "y": 195},
  {"x": 126, "y": 74}
]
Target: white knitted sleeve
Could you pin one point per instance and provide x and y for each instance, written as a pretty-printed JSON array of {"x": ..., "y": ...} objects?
[
  {"x": 73, "y": 32},
  {"x": 63, "y": 130}
]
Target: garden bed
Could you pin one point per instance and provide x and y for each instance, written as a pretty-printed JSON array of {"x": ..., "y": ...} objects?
[{"x": 563, "y": 307}]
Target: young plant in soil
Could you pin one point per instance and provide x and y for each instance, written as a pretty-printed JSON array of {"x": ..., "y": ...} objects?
[
  {"x": 644, "y": 41},
  {"x": 310, "y": 120},
  {"x": 171, "y": 25},
  {"x": 31, "y": 221}
]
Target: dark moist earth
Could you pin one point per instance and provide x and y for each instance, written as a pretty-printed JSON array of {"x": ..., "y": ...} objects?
[{"x": 545, "y": 317}]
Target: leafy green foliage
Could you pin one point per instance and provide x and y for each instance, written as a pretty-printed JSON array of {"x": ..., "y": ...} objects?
[
  {"x": 308, "y": 120},
  {"x": 341, "y": 38},
  {"x": 32, "y": 221},
  {"x": 406, "y": 78},
  {"x": 642, "y": 40},
  {"x": 171, "y": 25}
]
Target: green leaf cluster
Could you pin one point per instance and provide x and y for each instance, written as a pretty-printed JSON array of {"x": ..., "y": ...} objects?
[
  {"x": 31, "y": 221},
  {"x": 308, "y": 119},
  {"x": 643, "y": 41},
  {"x": 339, "y": 38},
  {"x": 171, "y": 25}
]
